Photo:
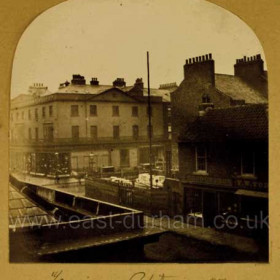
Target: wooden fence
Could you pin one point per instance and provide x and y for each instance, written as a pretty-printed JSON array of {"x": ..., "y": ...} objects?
[{"x": 152, "y": 202}]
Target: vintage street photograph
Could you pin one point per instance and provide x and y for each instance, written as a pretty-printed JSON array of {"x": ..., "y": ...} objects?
[{"x": 138, "y": 134}]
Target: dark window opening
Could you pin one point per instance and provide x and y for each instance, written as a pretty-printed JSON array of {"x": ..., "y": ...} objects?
[{"x": 74, "y": 110}]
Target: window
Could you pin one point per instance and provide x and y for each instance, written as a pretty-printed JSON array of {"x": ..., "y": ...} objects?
[
  {"x": 11, "y": 116},
  {"x": 75, "y": 132},
  {"x": 17, "y": 115},
  {"x": 48, "y": 131},
  {"x": 148, "y": 111},
  {"x": 116, "y": 131},
  {"x": 43, "y": 112},
  {"x": 74, "y": 110},
  {"x": 134, "y": 111},
  {"x": 206, "y": 98},
  {"x": 201, "y": 159},
  {"x": 124, "y": 158},
  {"x": 169, "y": 112},
  {"x": 93, "y": 131},
  {"x": 150, "y": 131},
  {"x": 29, "y": 114},
  {"x": 36, "y": 133},
  {"x": 29, "y": 134},
  {"x": 50, "y": 111},
  {"x": 135, "y": 131},
  {"x": 36, "y": 114},
  {"x": 93, "y": 110},
  {"x": 248, "y": 162},
  {"x": 115, "y": 111},
  {"x": 22, "y": 115},
  {"x": 169, "y": 131}
]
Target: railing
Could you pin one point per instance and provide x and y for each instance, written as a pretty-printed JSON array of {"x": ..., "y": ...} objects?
[
  {"x": 88, "y": 140},
  {"x": 236, "y": 182}
]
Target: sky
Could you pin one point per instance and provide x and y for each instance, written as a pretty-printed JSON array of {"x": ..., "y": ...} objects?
[{"x": 109, "y": 39}]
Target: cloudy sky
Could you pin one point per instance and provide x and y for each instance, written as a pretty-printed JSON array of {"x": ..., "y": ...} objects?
[{"x": 109, "y": 39}]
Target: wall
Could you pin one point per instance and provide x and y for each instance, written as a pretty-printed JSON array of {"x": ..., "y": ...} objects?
[
  {"x": 104, "y": 112},
  {"x": 224, "y": 159},
  {"x": 151, "y": 202}
]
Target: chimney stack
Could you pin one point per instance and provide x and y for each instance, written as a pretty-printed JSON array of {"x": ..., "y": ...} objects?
[
  {"x": 119, "y": 82},
  {"x": 78, "y": 80},
  {"x": 94, "y": 82},
  {"x": 138, "y": 88},
  {"x": 249, "y": 68},
  {"x": 200, "y": 69}
]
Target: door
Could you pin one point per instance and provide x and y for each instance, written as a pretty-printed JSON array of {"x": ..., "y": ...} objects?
[{"x": 209, "y": 208}]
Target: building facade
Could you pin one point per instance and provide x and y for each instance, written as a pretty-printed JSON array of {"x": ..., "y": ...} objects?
[
  {"x": 220, "y": 131},
  {"x": 223, "y": 159},
  {"x": 201, "y": 85},
  {"x": 84, "y": 127}
]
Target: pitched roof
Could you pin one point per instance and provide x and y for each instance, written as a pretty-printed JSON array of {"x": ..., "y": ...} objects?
[
  {"x": 164, "y": 93},
  {"x": 238, "y": 89},
  {"x": 247, "y": 122},
  {"x": 24, "y": 212},
  {"x": 84, "y": 89}
]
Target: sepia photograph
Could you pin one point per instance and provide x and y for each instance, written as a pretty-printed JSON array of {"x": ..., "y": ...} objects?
[
  {"x": 137, "y": 136},
  {"x": 139, "y": 139}
]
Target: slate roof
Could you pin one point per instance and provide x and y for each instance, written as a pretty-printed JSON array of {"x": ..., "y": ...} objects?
[
  {"x": 237, "y": 89},
  {"x": 24, "y": 212},
  {"x": 247, "y": 122},
  {"x": 84, "y": 89},
  {"x": 164, "y": 93}
]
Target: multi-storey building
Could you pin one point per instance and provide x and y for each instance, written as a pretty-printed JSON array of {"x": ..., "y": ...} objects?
[
  {"x": 88, "y": 126},
  {"x": 223, "y": 159},
  {"x": 220, "y": 128},
  {"x": 202, "y": 85}
]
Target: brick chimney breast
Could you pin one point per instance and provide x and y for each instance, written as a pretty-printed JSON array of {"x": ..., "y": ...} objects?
[
  {"x": 249, "y": 68},
  {"x": 200, "y": 69},
  {"x": 119, "y": 82},
  {"x": 94, "y": 82},
  {"x": 78, "y": 80}
]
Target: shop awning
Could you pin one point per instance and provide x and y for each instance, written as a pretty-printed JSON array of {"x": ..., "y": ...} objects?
[{"x": 252, "y": 193}]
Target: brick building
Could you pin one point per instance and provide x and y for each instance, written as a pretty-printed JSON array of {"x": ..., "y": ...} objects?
[
  {"x": 202, "y": 85},
  {"x": 220, "y": 127},
  {"x": 87, "y": 126},
  {"x": 223, "y": 159}
]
